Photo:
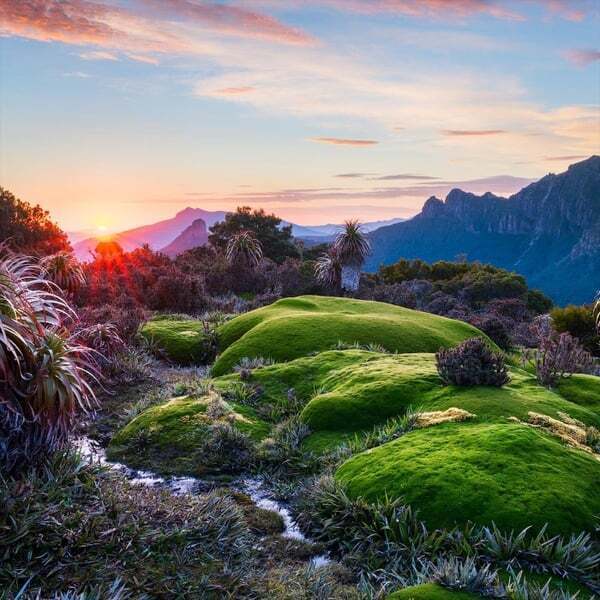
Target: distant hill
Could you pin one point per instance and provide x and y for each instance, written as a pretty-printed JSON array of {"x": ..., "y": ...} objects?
[
  {"x": 331, "y": 229},
  {"x": 549, "y": 232},
  {"x": 191, "y": 237},
  {"x": 157, "y": 235}
]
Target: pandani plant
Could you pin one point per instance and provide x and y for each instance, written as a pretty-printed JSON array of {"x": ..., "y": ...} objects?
[
  {"x": 46, "y": 377},
  {"x": 244, "y": 248},
  {"x": 64, "y": 270},
  {"x": 351, "y": 248}
]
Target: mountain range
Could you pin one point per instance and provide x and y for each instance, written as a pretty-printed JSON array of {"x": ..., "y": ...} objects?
[
  {"x": 173, "y": 236},
  {"x": 549, "y": 232}
]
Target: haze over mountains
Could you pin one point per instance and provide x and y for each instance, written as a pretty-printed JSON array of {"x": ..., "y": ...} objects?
[{"x": 549, "y": 232}]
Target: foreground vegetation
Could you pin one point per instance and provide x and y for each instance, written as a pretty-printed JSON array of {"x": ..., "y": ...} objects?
[{"x": 419, "y": 459}]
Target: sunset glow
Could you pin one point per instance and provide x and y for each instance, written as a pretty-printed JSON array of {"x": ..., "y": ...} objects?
[{"x": 139, "y": 109}]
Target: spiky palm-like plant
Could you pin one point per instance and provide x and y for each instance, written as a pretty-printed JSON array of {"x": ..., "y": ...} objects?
[
  {"x": 244, "y": 248},
  {"x": 328, "y": 270},
  {"x": 352, "y": 248},
  {"x": 64, "y": 270},
  {"x": 45, "y": 376}
]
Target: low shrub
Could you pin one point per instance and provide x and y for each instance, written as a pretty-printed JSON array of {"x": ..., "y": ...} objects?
[
  {"x": 227, "y": 449},
  {"x": 471, "y": 363},
  {"x": 557, "y": 357},
  {"x": 580, "y": 322}
]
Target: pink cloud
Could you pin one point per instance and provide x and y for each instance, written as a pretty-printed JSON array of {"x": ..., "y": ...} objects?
[
  {"x": 343, "y": 141},
  {"x": 231, "y": 19},
  {"x": 582, "y": 57},
  {"x": 85, "y": 22},
  {"x": 570, "y": 9},
  {"x": 472, "y": 132}
]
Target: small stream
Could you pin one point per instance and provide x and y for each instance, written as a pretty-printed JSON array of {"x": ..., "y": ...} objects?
[{"x": 254, "y": 487}]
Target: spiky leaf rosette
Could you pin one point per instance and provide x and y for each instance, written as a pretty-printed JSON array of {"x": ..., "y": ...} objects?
[
  {"x": 245, "y": 248},
  {"x": 351, "y": 245}
]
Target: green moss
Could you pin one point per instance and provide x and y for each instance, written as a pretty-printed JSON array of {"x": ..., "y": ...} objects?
[
  {"x": 182, "y": 341},
  {"x": 348, "y": 391},
  {"x": 507, "y": 473},
  {"x": 295, "y": 327},
  {"x": 431, "y": 591},
  {"x": 583, "y": 390},
  {"x": 166, "y": 438}
]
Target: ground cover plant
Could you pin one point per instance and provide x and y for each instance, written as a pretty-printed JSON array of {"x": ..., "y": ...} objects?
[
  {"x": 184, "y": 341},
  {"x": 295, "y": 327},
  {"x": 482, "y": 473}
]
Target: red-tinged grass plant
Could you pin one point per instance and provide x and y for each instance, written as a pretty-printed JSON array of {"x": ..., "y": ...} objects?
[
  {"x": 46, "y": 377},
  {"x": 64, "y": 270}
]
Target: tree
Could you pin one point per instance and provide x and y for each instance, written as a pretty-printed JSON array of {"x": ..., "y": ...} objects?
[
  {"x": 352, "y": 248},
  {"x": 243, "y": 248},
  {"x": 276, "y": 241},
  {"x": 28, "y": 229}
]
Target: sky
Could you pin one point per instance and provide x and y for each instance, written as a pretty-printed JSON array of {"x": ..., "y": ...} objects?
[{"x": 117, "y": 113}]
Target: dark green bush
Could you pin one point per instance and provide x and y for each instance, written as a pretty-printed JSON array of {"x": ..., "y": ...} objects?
[{"x": 471, "y": 363}]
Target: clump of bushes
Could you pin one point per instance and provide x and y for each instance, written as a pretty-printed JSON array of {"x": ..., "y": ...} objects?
[
  {"x": 557, "y": 357},
  {"x": 471, "y": 363}
]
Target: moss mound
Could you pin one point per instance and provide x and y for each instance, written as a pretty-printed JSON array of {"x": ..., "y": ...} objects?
[
  {"x": 507, "y": 473},
  {"x": 295, "y": 327},
  {"x": 347, "y": 391},
  {"x": 170, "y": 438},
  {"x": 182, "y": 341},
  {"x": 431, "y": 591},
  {"x": 583, "y": 390}
]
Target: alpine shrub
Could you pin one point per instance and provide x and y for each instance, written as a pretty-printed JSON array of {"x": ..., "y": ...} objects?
[
  {"x": 557, "y": 357},
  {"x": 471, "y": 363}
]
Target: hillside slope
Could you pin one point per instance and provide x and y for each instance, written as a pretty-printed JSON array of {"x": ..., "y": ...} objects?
[{"x": 549, "y": 232}]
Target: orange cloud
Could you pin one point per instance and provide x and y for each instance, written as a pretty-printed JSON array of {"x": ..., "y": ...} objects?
[
  {"x": 472, "y": 132},
  {"x": 343, "y": 141}
]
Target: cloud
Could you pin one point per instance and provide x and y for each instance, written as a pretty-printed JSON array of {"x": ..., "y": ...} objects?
[
  {"x": 234, "y": 91},
  {"x": 565, "y": 158},
  {"x": 471, "y": 132},
  {"x": 404, "y": 177},
  {"x": 574, "y": 10},
  {"x": 230, "y": 19},
  {"x": 77, "y": 74},
  {"x": 98, "y": 55},
  {"x": 153, "y": 28},
  {"x": 582, "y": 57},
  {"x": 343, "y": 141},
  {"x": 351, "y": 175}
]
